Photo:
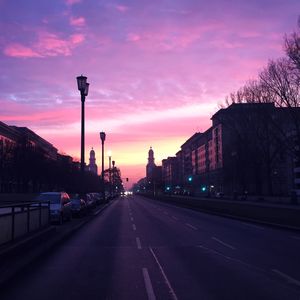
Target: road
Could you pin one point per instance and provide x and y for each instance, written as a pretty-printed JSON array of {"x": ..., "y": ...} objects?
[{"x": 144, "y": 249}]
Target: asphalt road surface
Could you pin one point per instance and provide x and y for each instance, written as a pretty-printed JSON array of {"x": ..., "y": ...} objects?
[{"x": 144, "y": 249}]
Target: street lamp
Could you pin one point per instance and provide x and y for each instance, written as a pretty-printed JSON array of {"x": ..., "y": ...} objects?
[
  {"x": 113, "y": 177},
  {"x": 83, "y": 87},
  {"x": 109, "y": 170},
  {"x": 102, "y": 137}
]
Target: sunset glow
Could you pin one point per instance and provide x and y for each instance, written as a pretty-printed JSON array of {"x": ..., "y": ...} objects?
[{"x": 157, "y": 70}]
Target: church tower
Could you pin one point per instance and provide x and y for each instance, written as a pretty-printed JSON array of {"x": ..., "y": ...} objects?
[
  {"x": 151, "y": 164},
  {"x": 92, "y": 167}
]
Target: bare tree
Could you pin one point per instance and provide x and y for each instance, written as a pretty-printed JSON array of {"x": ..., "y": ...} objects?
[{"x": 292, "y": 46}]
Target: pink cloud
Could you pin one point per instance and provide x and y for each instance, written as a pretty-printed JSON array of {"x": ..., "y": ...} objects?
[
  {"x": 18, "y": 50},
  {"x": 48, "y": 44},
  {"x": 71, "y": 2},
  {"x": 76, "y": 39},
  {"x": 80, "y": 21},
  {"x": 121, "y": 8},
  {"x": 226, "y": 44},
  {"x": 62, "y": 115},
  {"x": 171, "y": 38},
  {"x": 131, "y": 37}
]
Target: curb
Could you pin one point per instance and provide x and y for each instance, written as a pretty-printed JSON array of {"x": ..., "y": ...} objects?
[{"x": 13, "y": 263}]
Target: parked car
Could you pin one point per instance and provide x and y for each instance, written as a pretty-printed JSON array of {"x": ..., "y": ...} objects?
[
  {"x": 98, "y": 197},
  {"x": 78, "y": 206},
  {"x": 90, "y": 201},
  {"x": 60, "y": 205}
]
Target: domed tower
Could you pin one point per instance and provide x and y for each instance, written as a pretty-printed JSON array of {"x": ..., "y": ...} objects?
[
  {"x": 151, "y": 164},
  {"x": 92, "y": 165}
]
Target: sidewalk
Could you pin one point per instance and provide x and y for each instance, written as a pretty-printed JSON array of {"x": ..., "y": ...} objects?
[{"x": 17, "y": 256}]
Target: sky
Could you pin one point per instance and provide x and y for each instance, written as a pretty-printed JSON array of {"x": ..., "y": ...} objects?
[{"x": 158, "y": 70}]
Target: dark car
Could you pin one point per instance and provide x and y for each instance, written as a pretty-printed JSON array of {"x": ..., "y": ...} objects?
[
  {"x": 90, "y": 201},
  {"x": 98, "y": 197},
  {"x": 78, "y": 206}
]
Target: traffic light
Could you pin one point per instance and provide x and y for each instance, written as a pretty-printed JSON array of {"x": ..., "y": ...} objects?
[
  {"x": 203, "y": 189},
  {"x": 190, "y": 178},
  {"x": 127, "y": 179}
]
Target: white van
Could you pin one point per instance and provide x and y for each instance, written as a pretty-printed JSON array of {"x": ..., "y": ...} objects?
[{"x": 60, "y": 205}]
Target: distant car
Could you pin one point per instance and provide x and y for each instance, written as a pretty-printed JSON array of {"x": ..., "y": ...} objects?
[
  {"x": 220, "y": 195},
  {"x": 78, "y": 206},
  {"x": 60, "y": 205}
]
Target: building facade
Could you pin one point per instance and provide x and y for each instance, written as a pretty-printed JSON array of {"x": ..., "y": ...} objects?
[
  {"x": 250, "y": 149},
  {"x": 22, "y": 154}
]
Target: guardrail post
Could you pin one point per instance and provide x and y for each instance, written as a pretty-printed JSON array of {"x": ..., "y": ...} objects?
[
  {"x": 13, "y": 223},
  {"x": 28, "y": 218}
]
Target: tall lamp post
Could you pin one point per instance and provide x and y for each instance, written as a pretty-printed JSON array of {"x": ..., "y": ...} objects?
[
  {"x": 113, "y": 177},
  {"x": 102, "y": 137},
  {"x": 109, "y": 170},
  {"x": 83, "y": 87}
]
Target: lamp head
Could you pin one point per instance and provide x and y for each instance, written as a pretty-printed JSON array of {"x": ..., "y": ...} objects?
[
  {"x": 102, "y": 136},
  {"x": 81, "y": 82},
  {"x": 86, "y": 91}
]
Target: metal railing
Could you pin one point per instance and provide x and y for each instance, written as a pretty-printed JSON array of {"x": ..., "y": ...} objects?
[{"x": 19, "y": 219}]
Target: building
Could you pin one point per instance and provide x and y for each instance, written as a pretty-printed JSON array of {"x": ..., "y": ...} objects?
[
  {"x": 170, "y": 173},
  {"x": 250, "y": 149},
  {"x": 92, "y": 167},
  {"x": 35, "y": 141},
  {"x": 23, "y": 155},
  {"x": 150, "y": 168}
]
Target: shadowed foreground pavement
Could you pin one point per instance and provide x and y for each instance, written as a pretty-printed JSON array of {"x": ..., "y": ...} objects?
[{"x": 143, "y": 249}]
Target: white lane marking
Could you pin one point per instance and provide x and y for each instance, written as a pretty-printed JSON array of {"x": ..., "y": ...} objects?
[
  {"x": 210, "y": 250},
  {"x": 138, "y": 243},
  {"x": 288, "y": 278},
  {"x": 148, "y": 285},
  {"x": 131, "y": 218},
  {"x": 296, "y": 237},
  {"x": 175, "y": 218},
  {"x": 223, "y": 243},
  {"x": 171, "y": 290},
  {"x": 191, "y": 226},
  {"x": 133, "y": 227},
  {"x": 166, "y": 213},
  {"x": 253, "y": 226}
]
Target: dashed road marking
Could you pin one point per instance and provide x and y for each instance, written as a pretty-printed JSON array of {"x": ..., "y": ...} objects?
[
  {"x": 253, "y": 226},
  {"x": 288, "y": 278},
  {"x": 173, "y": 217},
  {"x": 133, "y": 227},
  {"x": 138, "y": 243},
  {"x": 223, "y": 243},
  {"x": 148, "y": 285},
  {"x": 191, "y": 226},
  {"x": 131, "y": 218}
]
